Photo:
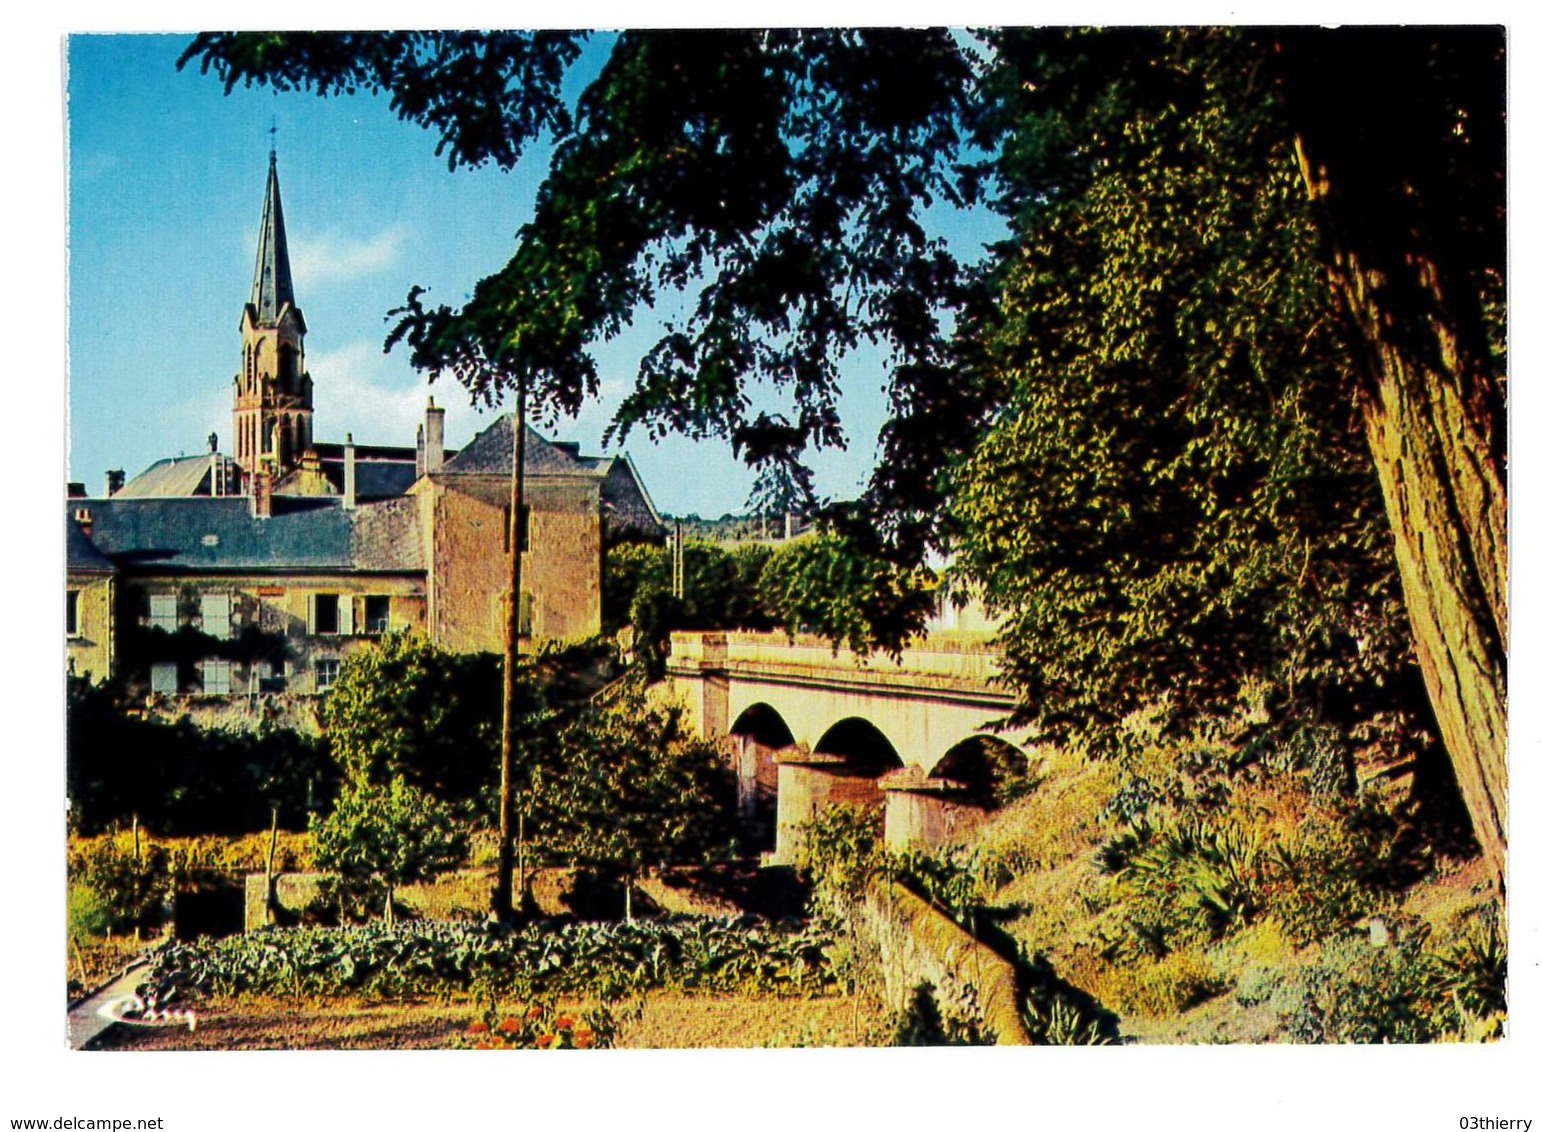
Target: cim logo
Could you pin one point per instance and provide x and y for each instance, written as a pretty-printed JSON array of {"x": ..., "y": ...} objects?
[{"x": 131, "y": 1010}]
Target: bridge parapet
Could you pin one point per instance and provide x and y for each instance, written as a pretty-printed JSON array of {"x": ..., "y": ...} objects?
[{"x": 964, "y": 662}]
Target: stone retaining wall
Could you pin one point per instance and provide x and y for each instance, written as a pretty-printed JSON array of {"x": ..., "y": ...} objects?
[{"x": 917, "y": 944}]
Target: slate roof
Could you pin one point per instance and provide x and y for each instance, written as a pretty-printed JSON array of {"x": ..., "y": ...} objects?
[
  {"x": 623, "y": 499},
  {"x": 80, "y": 555},
  {"x": 302, "y": 534},
  {"x": 374, "y": 479},
  {"x": 492, "y": 453}
]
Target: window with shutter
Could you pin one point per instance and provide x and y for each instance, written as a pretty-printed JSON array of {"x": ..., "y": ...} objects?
[
  {"x": 216, "y": 677},
  {"x": 215, "y": 609},
  {"x": 163, "y": 612},
  {"x": 163, "y": 678},
  {"x": 324, "y": 614}
]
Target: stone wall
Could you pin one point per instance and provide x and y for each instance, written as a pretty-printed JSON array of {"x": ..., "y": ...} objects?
[
  {"x": 90, "y": 648},
  {"x": 916, "y": 944},
  {"x": 470, "y": 572},
  {"x": 292, "y": 893}
]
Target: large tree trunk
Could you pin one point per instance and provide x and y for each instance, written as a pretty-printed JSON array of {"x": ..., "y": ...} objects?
[
  {"x": 1429, "y": 424},
  {"x": 1401, "y": 136}
]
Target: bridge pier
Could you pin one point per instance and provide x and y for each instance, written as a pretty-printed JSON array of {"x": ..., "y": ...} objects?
[
  {"x": 807, "y": 781},
  {"x": 924, "y": 811}
]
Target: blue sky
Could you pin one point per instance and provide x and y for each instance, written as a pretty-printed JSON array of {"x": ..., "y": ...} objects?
[{"x": 166, "y": 182}]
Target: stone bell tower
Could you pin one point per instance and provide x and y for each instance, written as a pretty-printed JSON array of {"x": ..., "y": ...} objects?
[{"x": 273, "y": 390}]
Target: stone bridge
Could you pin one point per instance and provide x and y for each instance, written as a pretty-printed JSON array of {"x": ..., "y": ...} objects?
[{"x": 805, "y": 726}]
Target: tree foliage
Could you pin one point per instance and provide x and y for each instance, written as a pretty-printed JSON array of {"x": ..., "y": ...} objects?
[
  {"x": 1135, "y": 426},
  {"x": 721, "y": 592},
  {"x": 628, "y": 786},
  {"x": 782, "y": 174},
  {"x": 1168, "y": 501},
  {"x": 782, "y": 487},
  {"x": 407, "y": 708},
  {"x": 379, "y": 837},
  {"x": 827, "y": 585},
  {"x": 182, "y": 779}
]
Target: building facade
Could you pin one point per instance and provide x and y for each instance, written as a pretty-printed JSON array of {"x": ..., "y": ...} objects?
[{"x": 256, "y": 573}]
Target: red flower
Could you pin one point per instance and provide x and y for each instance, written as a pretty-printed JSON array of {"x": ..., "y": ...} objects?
[
  {"x": 544, "y": 1041},
  {"x": 510, "y": 1026},
  {"x": 565, "y": 1022},
  {"x": 477, "y": 1028},
  {"x": 533, "y": 1014}
]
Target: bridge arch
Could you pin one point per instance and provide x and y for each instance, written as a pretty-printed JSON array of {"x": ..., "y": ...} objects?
[
  {"x": 756, "y": 737},
  {"x": 989, "y": 770},
  {"x": 862, "y": 745},
  {"x": 976, "y": 775}
]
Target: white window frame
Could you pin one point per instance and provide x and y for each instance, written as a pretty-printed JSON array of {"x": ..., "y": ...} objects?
[
  {"x": 163, "y": 678},
  {"x": 336, "y": 667},
  {"x": 163, "y": 612},
  {"x": 216, "y": 676},
  {"x": 216, "y": 621}
]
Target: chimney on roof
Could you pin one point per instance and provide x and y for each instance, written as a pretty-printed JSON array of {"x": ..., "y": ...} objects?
[
  {"x": 350, "y": 476},
  {"x": 433, "y": 438},
  {"x": 83, "y": 520},
  {"x": 420, "y": 451},
  {"x": 114, "y": 482},
  {"x": 262, "y": 492},
  {"x": 74, "y": 490}
]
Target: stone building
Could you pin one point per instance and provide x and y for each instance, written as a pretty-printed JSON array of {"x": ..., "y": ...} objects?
[{"x": 257, "y": 572}]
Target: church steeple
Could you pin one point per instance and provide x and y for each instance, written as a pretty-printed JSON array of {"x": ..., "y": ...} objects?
[
  {"x": 273, "y": 391},
  {"x": 272, "y": 286}
]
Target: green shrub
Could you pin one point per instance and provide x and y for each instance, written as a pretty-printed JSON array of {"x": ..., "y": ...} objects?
[
  {"x": 379, "y": 838},
  {"x": 842, "y": 853},
  {"x": 1335, "y": 869},
  {"x": 957, "y": 881},
  {"x": 87, "y": 912},
  {"x": 1470, "y": 971},
  {"x": 1256, "y": 985},
  {"x": 923, "y": 1023},
  {"x": 1362, "y": 994},
  {"x": 1059, "y": 1022},
  {"x": 1403, "y": 991},
  {"x": 133, "y": 889},
  {"x": 1188, "y": 879}
]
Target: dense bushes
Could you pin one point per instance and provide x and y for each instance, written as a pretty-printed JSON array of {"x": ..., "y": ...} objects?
[
  {"x": 117, "y": 888},
  {"x": 827, "y": 584},
  {"x": 182, "y": 779},
  {"x": 1399, "y": 988}
]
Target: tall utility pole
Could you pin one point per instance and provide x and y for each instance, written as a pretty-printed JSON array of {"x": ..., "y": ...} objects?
[
  {"x": 677, "y": 572},
  {"x": 503, "y": 890}
]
